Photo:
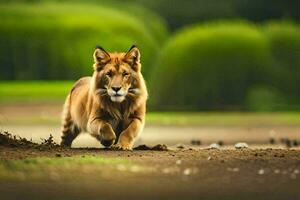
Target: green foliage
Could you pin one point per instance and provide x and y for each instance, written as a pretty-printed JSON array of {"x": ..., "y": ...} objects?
[
  {"x": 210, "y": 67},
  {"x": 284, "y": 39},
  {"x": 56, "y": 40},
  {"x": 223, "y": 118},
  {"x": 180, "y": 13},
  {"x": 264, "y": 99},
  {"x": 44, "y": 167}
]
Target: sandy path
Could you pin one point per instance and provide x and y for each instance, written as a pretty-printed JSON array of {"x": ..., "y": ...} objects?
[{"x": 170, "y": 135}]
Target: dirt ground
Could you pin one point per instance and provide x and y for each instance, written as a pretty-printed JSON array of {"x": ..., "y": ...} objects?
[
  {"x": 262, "y": 171},
  {"x": 177, "y": 173}
]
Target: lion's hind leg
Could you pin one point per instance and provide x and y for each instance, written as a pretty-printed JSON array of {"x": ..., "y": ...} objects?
[
  {"x": 69, "y": 134},
  {"x": 69, "y": 130}
]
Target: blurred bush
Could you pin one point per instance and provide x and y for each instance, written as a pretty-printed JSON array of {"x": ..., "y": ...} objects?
[
  {"x": 264, "y": 98},
  {"x": 56, "y": 40},
  {"x": 180, "y": 13},
  {"x": 210, "y": 67},
  {"x": 216, "y": 66},
  {"x": 284, "y": 39}
]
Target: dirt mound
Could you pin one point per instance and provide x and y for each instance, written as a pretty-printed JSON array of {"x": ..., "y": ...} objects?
[
  {"x": 9, "y": 140},
  {"x": 158, "y": 147}
]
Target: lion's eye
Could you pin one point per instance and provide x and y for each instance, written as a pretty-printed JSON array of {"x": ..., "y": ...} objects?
[
  {"x": 109, "y": 74},
  {"x": 125, "y": 73}
]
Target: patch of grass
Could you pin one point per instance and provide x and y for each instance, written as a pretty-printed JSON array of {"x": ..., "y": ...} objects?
[
  {"x": 34, "y": 91},
  {"x": 223, "y": 119},
  {"x": 48, "y": 92},
  {"x": 65, "y": 167},
  {"x": 45, "y": 162},
  {"x": 188, "y": 119}
]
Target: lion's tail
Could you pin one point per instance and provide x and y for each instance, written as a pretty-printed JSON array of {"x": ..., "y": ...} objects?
[{"x": 67, "y": 122}]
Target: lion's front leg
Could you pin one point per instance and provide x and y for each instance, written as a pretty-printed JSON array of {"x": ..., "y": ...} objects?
[
  {"x": 127, "y": 137},
  {"x": 103, "y": 132}
]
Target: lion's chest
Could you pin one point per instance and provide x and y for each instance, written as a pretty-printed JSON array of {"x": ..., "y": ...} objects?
[
  {"x": 118, "y": 117},
  {"x": 119, "y": 125}
]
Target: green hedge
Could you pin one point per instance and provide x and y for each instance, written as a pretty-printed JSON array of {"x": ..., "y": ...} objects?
[
  {"x": 230, "y": 66},
  {"x": 179, "y": 13},
  {"x": 210, "y": 67},
  {"x": 284, "y": 39},
  {"x": 56, "y": 40}
]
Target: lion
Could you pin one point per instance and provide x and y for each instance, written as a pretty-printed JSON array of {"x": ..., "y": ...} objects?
[{"x": 110, "y": 105}]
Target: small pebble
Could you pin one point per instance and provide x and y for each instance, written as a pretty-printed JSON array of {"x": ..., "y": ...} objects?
[
  {"x": 187, "y": 171},
  {"x": 276, "y": 171},
  {"x": 195, "y": 142},
  {"x": 235, "y": 169},
  {"x": 180, "y": 146},
  {"x": 295, "y": 143},
  {"x": 214, "y": 146},
  {"x": 272, "y": 141},
  {"x": 221, "y": 143},
  {"x": 178, "y": 162},
  {"x": 209, "y": 158},
  {"x": 241, "y": 145},
  {"x": 288, "y": 143},
  {"x": 261, "y": 172}
]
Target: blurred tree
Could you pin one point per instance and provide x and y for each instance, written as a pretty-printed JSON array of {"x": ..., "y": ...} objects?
[
  {"x": 180, "y": 13},
  {"x": 57, "y": 40},
  {"x": 284, "y": 39}
]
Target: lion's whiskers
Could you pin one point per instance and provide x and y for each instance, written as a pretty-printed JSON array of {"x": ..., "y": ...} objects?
[{"x": 101, "y": 91}]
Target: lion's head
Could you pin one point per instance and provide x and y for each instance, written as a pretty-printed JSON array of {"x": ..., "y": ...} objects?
[{"x": 117, "y": 75}]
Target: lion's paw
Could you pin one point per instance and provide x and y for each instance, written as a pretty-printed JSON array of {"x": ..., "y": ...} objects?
[{"x": 122, "y": 147}]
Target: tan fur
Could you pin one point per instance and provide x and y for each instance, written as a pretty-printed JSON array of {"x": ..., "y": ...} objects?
[{"x": 110, "y": 105}]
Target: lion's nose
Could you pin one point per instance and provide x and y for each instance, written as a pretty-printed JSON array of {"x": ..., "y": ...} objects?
[{"x": 116, "y": 89}]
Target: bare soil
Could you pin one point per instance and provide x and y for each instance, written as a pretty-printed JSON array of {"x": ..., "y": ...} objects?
[{"x": 159, "y": 172}]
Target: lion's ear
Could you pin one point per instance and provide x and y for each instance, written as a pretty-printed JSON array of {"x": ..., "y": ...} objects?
[
  {"x": 101, "y": 56},
  {"x": 132, "y": 57}
]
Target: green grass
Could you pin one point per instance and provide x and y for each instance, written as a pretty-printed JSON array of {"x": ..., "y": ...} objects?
[
  {"x": 34, "y": 91},
  {"x": 45, "y": 162},
  {"x": 65, "y": 166},
  {"x": 223, "y": 119},
  {"x": 48, "y": 92},
  {"x": 185, "y": 119}
]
